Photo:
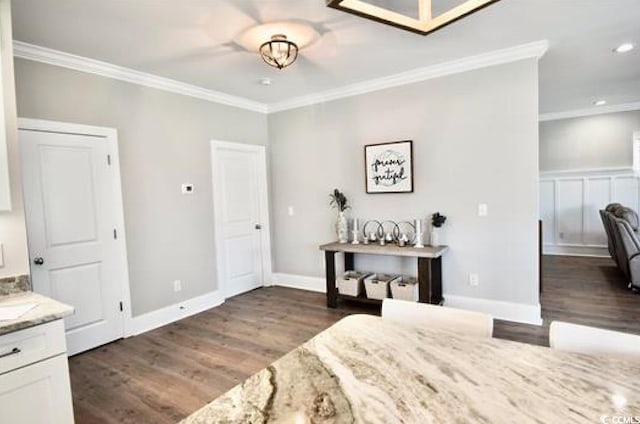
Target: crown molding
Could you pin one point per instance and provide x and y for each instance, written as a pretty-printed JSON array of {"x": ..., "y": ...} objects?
[
  {"x": 58, "y": 58},
  {"x": 92, "y": 66},
  {"x": 525, "y": 51},
  {"x": 598, "y": 110}
]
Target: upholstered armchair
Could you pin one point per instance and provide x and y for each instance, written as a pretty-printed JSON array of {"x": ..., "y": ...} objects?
[{"x": 622, "y": 227}]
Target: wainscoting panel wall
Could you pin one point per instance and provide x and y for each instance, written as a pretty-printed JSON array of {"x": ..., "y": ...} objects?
[{"x": 569, "y": 205}]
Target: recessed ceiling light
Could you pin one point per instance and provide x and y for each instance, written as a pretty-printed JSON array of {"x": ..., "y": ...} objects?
[
  {"x": 265, "y": 81},
  {"x": 624, "y": 48},
  {"x": 599, "y": 102}
]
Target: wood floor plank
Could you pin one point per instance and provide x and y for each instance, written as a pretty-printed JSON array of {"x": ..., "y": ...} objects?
[{"x": 164, "y": 375}]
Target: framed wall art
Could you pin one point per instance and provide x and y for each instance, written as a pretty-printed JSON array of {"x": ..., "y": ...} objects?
[{"x": 389, "y": 167}]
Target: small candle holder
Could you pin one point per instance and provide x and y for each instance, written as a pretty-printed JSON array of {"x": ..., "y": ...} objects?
[{"x": 355, "y": 237}]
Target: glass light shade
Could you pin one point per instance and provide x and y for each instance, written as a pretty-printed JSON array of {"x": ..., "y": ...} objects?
[{"x": 279, "y": 52}]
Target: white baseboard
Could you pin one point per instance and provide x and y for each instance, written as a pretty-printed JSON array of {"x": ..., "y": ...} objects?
[
  {"x": 315, "y": 284},
  {"x": 516, "y": 312},
  {"x": 167, "y": 315},
  {"x": 508, "y": 311},
  {"x": 591, "y": 251}
]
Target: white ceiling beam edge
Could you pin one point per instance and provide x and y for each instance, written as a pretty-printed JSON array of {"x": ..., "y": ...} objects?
[
  {"x": 79, "y": 63},
  {"x": 105, "y": 69},
  {"x": 512, "y": 54},
  {"x": 596, "y": 110}
]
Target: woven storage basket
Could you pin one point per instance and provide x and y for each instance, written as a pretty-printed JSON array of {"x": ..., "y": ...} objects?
[
  {"x": 405, "y": 288},
  {"x": 351, "y": 283},
  {"x": 377, "y": 285}
]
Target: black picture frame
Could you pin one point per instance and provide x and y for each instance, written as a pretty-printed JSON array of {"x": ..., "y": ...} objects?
[{"x": 385, "y": 164}]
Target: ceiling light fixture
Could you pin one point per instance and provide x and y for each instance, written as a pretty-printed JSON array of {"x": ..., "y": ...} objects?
[
  {"x": 426, "y": 22},
  {"x": 599, "y": 102},
  {"x": 279, "y": 52},
  {"x": 624, "y": 48}
]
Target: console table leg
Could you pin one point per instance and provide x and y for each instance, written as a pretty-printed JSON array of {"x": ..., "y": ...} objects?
[
  {"x": 424, "y": 280},
  {"x": 436, "y": 281},
  {"x": 430, "y": 280},
  {"x": 330, "y": 271}
]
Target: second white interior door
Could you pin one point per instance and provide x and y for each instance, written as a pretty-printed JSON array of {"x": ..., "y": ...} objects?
[{"x": 236, "y": 171}]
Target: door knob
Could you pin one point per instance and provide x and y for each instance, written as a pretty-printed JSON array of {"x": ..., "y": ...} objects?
[
  {"x": 258, "y": 227},
  {"x": 38, "y": 260}
]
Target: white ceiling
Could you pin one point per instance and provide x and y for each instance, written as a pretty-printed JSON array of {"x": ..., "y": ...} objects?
[{"x": 192, "y": 41}]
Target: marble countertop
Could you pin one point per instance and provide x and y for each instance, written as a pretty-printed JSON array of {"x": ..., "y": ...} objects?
[
  {"x": 46, "y": 311},
  {"x": 364, "y": 370}
]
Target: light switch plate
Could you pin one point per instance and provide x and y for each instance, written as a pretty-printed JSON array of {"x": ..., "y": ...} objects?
[
  {"x": 1, "y": 255},
  {"x": 474, "y": 280},
  {"x": 290, "y": 210}
]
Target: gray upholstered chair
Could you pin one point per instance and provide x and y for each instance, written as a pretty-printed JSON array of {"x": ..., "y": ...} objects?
[
  {"x": 622, "y": 227},
  {"x": 608, "y": 227},
  {"x": 604, "y": 216}
]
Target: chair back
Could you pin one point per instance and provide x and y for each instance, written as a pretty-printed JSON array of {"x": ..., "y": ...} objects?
[
  {"x": 581, "y": 338},
  {"x": 424, "y": 315},
  {"x": 606, "y": 223},
  {"x": 621, "y": 252}
]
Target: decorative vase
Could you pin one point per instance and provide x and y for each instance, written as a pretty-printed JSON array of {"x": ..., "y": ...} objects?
[
  {"x": 342, "y": 228},
  {"x": 435, "y": 237}
]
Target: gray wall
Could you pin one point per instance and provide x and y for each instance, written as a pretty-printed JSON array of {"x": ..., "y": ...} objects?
[
  {"x": 590, "y": 142},
  {"x": 164, "y": 141},
  {"x": 12, "y": 226},
  {"x": 475, "y": 140}
]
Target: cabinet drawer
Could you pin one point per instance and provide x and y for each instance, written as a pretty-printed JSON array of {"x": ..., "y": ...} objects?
[{"x": 31, "y": 345}]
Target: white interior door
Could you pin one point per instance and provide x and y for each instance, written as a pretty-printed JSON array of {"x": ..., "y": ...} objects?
[
  {"x": 69, "y": 202},
  {"x": 237, "y": 205}
]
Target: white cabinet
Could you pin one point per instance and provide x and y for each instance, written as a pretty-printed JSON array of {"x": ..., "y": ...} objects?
[
  {"x": 37, "y": 394},
  {"x": 34, "y": 376}
]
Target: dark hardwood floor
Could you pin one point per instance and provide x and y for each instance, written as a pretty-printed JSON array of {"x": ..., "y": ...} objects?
[
  {"x": 166, "y": 374},
  {"x": 588, "y": 291}
]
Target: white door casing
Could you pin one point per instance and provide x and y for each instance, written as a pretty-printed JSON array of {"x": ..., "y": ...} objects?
[
  {"x": 241, "y": 217},
  {"x": 75, "y": 227}
]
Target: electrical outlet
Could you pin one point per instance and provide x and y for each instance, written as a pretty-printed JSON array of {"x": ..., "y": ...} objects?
[
  {"x": 290, "y": 210},
  {"x": 483, "y": 209},
  {"x": 187, "y": 188},
  {"x": 474, "y": 280},
  {"x": 177, "y": 286}
]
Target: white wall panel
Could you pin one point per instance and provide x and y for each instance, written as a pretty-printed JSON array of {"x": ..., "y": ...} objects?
[
  {"x": 625, "y": 191},
  {"x": 548, "y": 211},
  {"x": 597, "y": 195},
  {"x": 570, "y": 203},
  {"x": 569, "y": 211}
]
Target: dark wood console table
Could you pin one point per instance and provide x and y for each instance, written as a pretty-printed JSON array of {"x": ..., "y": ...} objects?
[{"x": 429, "y": 268}]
